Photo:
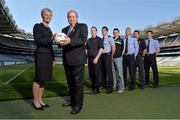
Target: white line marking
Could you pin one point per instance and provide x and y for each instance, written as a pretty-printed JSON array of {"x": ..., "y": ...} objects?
[
  {"x": 52, "y": 82},
  {"x": 17, "y": 75}
]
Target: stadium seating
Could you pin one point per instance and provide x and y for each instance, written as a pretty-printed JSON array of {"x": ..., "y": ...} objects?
[
  {"x": 15, "y": 58},
  {"x": 161, "y": 39},
  {"x": 168, "y": 61},
  {"x": 177, "y": 41},
  {"x": 22, "y": 43},
  {"x": 169, "y": 41},
  {"x": 13, "y": 50},
  {"x": 17, "y": 42}
]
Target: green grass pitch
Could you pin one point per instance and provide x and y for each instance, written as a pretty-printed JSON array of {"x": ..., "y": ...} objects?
[{"x": 16, "y": 97}]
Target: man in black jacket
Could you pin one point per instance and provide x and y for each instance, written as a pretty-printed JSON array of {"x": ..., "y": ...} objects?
[{"x": 74, "y": 58}]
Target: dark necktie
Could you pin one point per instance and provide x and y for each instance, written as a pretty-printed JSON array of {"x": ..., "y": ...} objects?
[
  {"x": 148, "y": 46},
  {"x": 126, "y": 49},
  {"x": 103, "y": 39},
  {"x": 69, "y": 30},
  {"x": 139, "y": 42}
]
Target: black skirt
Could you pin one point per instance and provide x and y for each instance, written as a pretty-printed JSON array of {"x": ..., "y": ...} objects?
[{"x": 43, "y": 67}]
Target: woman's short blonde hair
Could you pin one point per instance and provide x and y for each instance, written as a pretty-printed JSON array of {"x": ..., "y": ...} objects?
[{"x": 45, "y": 10}]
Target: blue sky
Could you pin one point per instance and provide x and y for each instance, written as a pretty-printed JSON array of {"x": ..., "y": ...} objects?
[{"x": 111, "y": 13}]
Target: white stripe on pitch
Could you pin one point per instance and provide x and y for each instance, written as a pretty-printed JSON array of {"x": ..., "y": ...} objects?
[{"x": 16, "y": 75}]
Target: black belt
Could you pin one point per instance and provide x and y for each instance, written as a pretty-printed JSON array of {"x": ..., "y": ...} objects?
[
  {"x": 129, "y": 54},
  {"x": 107, "y": 53},
  {"x": 140, "y": 55},
  {"x": 150, "y": 54}
]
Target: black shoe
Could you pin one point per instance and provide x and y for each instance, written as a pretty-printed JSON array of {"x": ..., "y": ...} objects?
[
  {"x": 75, "y": 110},
  {"x": 141, "y": 87},
  {"x": 101, "y": 88},
  {"x": 109, "y": 91},
  {"x": 155, "y": 85},
  {"x": 147, "y": 83},
  {"x": 94, "y": 92},
  {"x": 131, "y": 88},
  {"x": 67, "y": 104},
  {"x": 40, "y": 108},
  {"x": 45, "y": 105}
]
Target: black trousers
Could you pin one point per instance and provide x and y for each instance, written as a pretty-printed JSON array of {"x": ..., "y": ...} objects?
[
  {"x": 150, "y": 61},
  {"x": 94, "y": 73},
  {"x": 140, "y": 66},
  {"x": 129, "y": 62},
  {"x": 75, "y": 75},
  {"x": 106, "y": 71}
]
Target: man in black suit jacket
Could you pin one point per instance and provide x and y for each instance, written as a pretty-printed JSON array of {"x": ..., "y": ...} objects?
[{"x": 74, "y": 58}]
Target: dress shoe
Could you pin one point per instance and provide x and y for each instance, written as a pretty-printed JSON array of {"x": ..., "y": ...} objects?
[
  {"x": 147, "y": 83},
  {"x": 67, "y": 104},
  {"x": 131, "y": 88},
  {"x": 109, "y": 91},
  {"x": 45, "y": 105},
  {"x": 141, "y": 87},
  {"x": 37, "y": 108},
  {"x": 94, "y": 92},
  {"x": 155, "y": 85},
  {"x": 75, "y": 110}
]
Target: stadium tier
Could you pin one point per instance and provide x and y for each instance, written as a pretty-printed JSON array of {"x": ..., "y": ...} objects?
[
  {"x": 7, "y": 23},
  {"x": 171, "y": 40},
  {"x": 15, "y": 50},
  {"x": 168, "y": 61},
  {"x": 22, "y": 50},
  {"x": 19, "y": 43}
]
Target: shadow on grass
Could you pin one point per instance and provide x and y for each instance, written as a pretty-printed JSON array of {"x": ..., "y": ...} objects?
[
  {"x": 52, "y": 89},
  {"x": 87, "y": 84},
  {"x": 56, "y": 88}
]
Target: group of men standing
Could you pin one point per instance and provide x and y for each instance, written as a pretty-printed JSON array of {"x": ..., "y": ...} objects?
[{"x": 109, "y": 58}]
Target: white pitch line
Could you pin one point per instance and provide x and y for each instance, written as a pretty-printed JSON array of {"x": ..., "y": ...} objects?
[
  {"x": 47, "y": 83},
  {"x": 16, "y": 75}
]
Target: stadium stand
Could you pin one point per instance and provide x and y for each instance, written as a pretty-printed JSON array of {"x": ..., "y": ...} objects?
[
  {"x": 177, "y": 41},
  {"x": 169, "y": 61},
  {"x": 20, "y": 50},
  {"x": 170, "y": 50},
  {"x": 7, "y": 23},
  {"x": 170, "y": 40},
  {"x": 16, "y": 46},
  {"x": 161, "y": 39}
]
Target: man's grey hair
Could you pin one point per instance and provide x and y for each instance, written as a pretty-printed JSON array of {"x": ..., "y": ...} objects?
[
  {"x": 73, "y": 12},
  {"x": 43, "y": 11}
]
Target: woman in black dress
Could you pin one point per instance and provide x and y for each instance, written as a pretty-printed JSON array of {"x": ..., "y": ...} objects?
[{"x": 44, "y": 57}]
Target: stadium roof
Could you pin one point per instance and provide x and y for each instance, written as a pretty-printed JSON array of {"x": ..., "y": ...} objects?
[
  {"x": 7, "y": 23},
  {"x": 164, "y": 28}
]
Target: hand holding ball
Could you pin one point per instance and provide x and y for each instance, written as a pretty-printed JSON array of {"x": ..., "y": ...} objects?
[{"x": 59, "y": 37}]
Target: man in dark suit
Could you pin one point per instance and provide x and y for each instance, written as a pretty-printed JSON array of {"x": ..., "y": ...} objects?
[{"x": 74, "y": 58}]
